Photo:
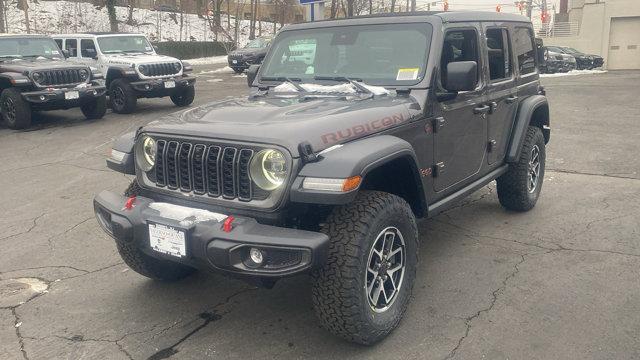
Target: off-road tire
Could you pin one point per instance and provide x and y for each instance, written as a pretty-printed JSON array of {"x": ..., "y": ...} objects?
[
  {"x": 145, "y": 265},
  {"x": 15, "y": 111},
  {"x": 513, "y": 190},
  {"x": 339, "y": 297},
  {"x": 185, "y": 97},
  {"x": 122, "y": 97},
  {"x": 95, "y": 108}
]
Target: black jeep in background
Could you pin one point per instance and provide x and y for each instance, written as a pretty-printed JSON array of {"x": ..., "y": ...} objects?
[
  {"x": 327, "y": 165},
  {"x": 253, "y": 53},
  {"x": 35, "y": 76}
]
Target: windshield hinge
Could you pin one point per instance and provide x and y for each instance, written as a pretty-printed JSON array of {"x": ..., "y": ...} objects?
[{"x": 306, "y": 152}]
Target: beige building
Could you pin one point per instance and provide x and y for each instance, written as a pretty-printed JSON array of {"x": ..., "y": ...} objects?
[{"x": 609, "y": 28}]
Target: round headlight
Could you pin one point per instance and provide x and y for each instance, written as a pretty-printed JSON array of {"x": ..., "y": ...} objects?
[
  {"x": 36, "y": 76},
  {"x": 269, "y": 169},
  {"x": 84, "y": 74},
  {"x": 146, "y": 153},
  {"x": 177, "y": 65},
  {"x": 142, "y": 68}
]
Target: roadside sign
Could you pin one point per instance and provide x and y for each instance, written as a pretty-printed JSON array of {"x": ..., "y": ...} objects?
[{"x": 306, "y": 2}]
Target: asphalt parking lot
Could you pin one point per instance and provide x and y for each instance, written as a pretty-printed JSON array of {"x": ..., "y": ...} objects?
[{"x": 559, "y": 282}]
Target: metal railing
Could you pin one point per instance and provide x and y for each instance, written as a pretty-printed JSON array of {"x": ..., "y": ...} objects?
[{"x": 561, "y": 29}]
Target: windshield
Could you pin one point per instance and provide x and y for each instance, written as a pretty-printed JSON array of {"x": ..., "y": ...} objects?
[
  {"x": 393, "y": 54},
  {"x": 28, "y": 47},
  {"x": 257, "y": 43},
  {"x": 124, "y": 44},
  {"x": 572, "y": 51}
]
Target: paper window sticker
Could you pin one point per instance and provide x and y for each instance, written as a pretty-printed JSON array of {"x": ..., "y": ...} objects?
[{"x": 407, "y": 74}]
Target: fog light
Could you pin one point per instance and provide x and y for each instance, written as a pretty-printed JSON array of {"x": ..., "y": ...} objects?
[
  {"x": 95, "y": 93},
  {"x": 147, "y": 87},
  {"x": 256, "y": 256},
  {"x": 42, "y": 97}
]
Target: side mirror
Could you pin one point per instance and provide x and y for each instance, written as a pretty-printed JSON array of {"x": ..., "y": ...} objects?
[
  {"x": 252, "y": 72},
  {"x": 65, "y": 53},
  {"x": 461, "y": 76}
]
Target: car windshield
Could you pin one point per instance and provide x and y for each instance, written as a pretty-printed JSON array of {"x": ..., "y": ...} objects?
[
  {"x": 257, "y": 43},
  {"x": 386, "y": 54},
  {"x": 28, "y": 47},
  {"x": 124, "y": 44},
  {"x": 572, "y": 50}
]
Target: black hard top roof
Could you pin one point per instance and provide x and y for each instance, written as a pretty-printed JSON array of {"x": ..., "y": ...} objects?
[{"x": 420, "y": 16}]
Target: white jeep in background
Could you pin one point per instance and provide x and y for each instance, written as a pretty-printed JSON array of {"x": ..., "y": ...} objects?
[{"x": 131, "y": 67}]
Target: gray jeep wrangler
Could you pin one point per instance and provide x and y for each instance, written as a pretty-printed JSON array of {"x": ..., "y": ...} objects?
[
  {"x": 327, "y": 165},
  {"x": 36, "y": 76}
]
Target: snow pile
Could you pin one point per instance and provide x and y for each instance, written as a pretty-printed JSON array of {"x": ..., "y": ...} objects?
[
  {"x": 214, "y": 60},
  {"x": 345, "y": 88},
  {"x": 574, "y": 73},
  {"x": 59, "y": 17}
]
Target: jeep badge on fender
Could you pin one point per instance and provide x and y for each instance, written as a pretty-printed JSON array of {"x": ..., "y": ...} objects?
[{"x": 327, "y": 165}]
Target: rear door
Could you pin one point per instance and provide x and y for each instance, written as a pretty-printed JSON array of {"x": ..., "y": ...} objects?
[
  {"x": 501, "y": 90},
  {"x": 460, "y": 138}
]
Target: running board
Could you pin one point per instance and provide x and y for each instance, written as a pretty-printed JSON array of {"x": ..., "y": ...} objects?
[{"x": 450, "y": 200}]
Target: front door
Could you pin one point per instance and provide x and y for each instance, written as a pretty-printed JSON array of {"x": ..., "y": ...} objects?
[
  {"x": 460, "y": 137},
  {"x": 88, "y": 53},
  {"x": 501, "y": 91}
]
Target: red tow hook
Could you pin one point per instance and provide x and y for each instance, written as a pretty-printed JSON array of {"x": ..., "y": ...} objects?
[
  {"x": 128, "y": 205},
  {"x": 227, "y": 225}
]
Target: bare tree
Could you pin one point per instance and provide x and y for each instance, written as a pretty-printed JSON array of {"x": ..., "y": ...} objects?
[
  {"x": 24, "y": 6},
  {"x": 413, "y": 5},
  {"x": 111, "y": 10},
  {"x": 2, "y": 12},
  {"x": 130, "y": 15}
]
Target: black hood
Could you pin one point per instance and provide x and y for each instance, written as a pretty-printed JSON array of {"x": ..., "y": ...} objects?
[
  {"x": 32, "y": 64},
  {"x": 249, "y": 51},
  {"x": 322, "y": 121}
]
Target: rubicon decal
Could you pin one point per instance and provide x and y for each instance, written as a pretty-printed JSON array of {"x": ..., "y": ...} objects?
[{"x": 362, "y": 129}]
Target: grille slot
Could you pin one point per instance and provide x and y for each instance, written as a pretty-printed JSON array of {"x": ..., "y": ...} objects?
[
  {"x": 158, "y": 69},
  {"x": 208, "y": 170},
  {"x": 60, "y": 77}
]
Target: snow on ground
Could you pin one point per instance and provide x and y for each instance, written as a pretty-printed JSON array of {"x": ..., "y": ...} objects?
[
  {"x": 574, "y": 72},
  {"x": 56, "y": 17},
  {"x": 214, "y": 60}
]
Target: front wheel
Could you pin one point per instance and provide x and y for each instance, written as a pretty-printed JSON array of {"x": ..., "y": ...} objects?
[
  {"x": 185, "y": 97},
  {"x": 14, "y": 109},
  {"x": 363, "y": 290},
  {"x": 519, "y": 188},
  {"x": 122, "y": 97},
  {"x": 94, "y": 108}
]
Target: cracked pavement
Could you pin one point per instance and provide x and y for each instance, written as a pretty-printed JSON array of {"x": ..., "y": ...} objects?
[{"x": 561, "y": 281}]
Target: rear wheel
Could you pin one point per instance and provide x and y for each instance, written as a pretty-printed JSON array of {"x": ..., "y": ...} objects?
[
  {"x": 122, "y": 97},
  {"x": 95, "y": 108},
  {"x": 185, "y": 97},
  {"x": 519, "y": 188},
  {"x": 364, "y": 288},
  {"x": 14, "y": 109}
]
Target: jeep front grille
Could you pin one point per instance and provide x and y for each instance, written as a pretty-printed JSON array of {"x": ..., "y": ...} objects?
[
  {"x": 60, "y": 77},
  {"x": 210, "y": 170},
  {"x": 160, "y": 69}
]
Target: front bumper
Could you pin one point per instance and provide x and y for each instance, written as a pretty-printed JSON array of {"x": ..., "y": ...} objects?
[
  {"x": 157, "y": 87},
  {"x": 55, "y": 97},
  {"x": 208, "y": 247}
]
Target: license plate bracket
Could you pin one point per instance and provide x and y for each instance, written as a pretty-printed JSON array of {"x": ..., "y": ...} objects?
[{"x": 167, "y": 239}]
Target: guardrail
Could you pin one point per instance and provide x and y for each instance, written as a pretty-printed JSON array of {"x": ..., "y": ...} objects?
[{"x": 561, "y": 29}]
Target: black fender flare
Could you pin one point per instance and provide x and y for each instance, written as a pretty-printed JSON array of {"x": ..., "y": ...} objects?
[
  {"x": 116, "y": 71},
  {"x": 524, "y": 117},
  {"x": 13, "y": 79},
  {"x": 124, "y": 144},
  {"x": 359, "y": 157}
]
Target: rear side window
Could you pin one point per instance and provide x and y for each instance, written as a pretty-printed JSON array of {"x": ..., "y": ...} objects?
[
  {"x": 459, "y": 45},
  {"x": 71, "y": 45},
  {"x": 499, "y": 54},
  {"x": 525, "y": 50}
]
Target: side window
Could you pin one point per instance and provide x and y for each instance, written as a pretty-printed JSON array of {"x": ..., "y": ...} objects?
[
  {"x": 71, "y": 45},
  {"x": 525, "y": 50},
  {"x": 59, "y": 42},
  {"x": 87, "y": 48},
  {"x": 499, "y": 55},
  {"x": 459, "y": 45}
]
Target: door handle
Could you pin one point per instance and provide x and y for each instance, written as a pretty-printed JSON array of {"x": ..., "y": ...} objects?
[
  {"x": 511, "y": 99},
  {"x": 484, "y": 109}
]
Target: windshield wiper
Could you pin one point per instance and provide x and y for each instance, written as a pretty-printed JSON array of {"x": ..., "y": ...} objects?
[
  {"x": 291, "y": 81},
  {"x": 355, "y": 82}
]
